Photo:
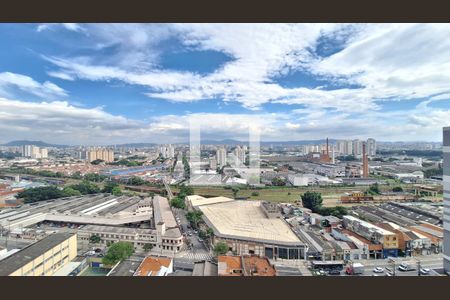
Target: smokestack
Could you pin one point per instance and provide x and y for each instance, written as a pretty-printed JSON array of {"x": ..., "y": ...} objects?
[
  {"x": 328, "y": 155},
  {"x": 365, "y": 161}
]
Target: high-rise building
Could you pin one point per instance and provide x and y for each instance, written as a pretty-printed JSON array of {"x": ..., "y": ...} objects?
[
  {"x": 357, "y": 148},
  {"x": 43, "y": 152},
  {"x": 239, "y": 155},
  {"x": 100, "y": 154},
  {"x": 170, "y": 151},
  {"x": 371, "y": 147},
  {"x": 27, "y": 150},
  {"x": 446, "y": 177},
  {"x": 221, "y": 157}
]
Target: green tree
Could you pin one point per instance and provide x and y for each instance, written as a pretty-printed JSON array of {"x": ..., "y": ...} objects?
[
  {"x": 136, "y": 181},
  {"x": 76, "y": 175},
  {"x": 255, "y": 194},
  {"x": 312, "y": 200},
  {"x": 397, "y": 189},
  {"x": 374, "y": 189},
  {"x": 70, "y": 192},
  {"x": 194, "y": 217},
  {"x": 178, "y": 202},
  {"x": 95, "y": 239},
  {"x": 220, "y": 248},
  {"x": 148, "y": 247},
  {"x": 40, "y": 194},
  {"x": 97, "y": 162},
  {"x": 109, "y": 187},
  {"x": 116, "y": 191},
  {"x": 86, "y": 187},
  {"x": 235, "y": 191},
  {"x": 118, "y": 252}
]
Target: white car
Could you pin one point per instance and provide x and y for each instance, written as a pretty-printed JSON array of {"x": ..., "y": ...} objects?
[
  {"x": 425, "y": 271},
  {"x": 378, "y": 270}
]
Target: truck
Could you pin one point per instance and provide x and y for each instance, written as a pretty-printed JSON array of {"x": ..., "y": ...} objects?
[{"x": 355, "y": 269}]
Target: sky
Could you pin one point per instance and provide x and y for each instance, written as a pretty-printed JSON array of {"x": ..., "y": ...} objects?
[{"x": 103, "y": 84}]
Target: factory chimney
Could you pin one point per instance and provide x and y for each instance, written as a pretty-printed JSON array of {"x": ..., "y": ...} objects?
[
  {"x": 328, "y": 154},
  {"x": 365, "y": 161}
]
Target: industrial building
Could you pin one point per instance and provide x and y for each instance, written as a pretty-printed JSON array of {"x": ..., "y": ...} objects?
[
  {"x": 43, "y": 258},
  {"x": 133, "y": 219},
  {"x": 247, "y": 229}
]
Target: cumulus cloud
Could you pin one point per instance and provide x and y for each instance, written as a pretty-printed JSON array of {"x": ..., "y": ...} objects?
[{"x": 27, "y": 84}]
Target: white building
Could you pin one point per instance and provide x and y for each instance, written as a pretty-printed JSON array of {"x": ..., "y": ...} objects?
[
  {"x": 357, "y": 148},
  {"x": 221, "y": 157},
  {"x": 371, "y": 147}
]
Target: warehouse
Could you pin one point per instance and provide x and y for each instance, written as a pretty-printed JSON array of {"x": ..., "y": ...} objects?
[{"x": 247, "y": 229}]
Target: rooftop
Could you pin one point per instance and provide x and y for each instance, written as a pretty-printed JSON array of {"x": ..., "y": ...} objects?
[
  {"x": 245, "y": 220},
  {"x": 125, "y": 268},
  {"x": 152, "y": 266},
  {"x": 196, "y": 200},
  {"x": 31, "y": 252}
]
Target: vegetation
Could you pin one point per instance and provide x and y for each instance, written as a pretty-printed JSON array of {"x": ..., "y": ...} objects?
[
  {"x": 279, "y": 181},
  {"x": 94, "y": 177},
  {"x": 95, "y": 239},
  {"x": 374, "y": 189},
  {"x": 136, "y": 181},
  {"x": 97, "y": 162},
  {"x": 255, "y": 194},
  {"x": 178, "y": 202},
  {"x": 235, "y": 191},
  {"x": 86, "y": 187},
  {"x": 116, "y": 191},
  {"x": 117, "y": 252},
  {"x": 397, "y": 189},
  {"x": 194, "y": 217},
  {"x": 313, "y": 201},
  {"x": 128, "y": 163},
  {"x": 40, "y": 194},
  {"x": 220, "y": 248},
  {"x": 148, "y": 247},
  {"x": 70, "y": 192}
]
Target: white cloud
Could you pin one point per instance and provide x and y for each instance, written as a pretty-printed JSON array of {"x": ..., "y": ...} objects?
[
  {"x": 69, "y": 26},
  {"x": 27, "y": 84}
]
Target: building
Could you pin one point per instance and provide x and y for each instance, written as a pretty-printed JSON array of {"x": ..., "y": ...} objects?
[
  {"x": 357, "y": 148},
  {"x": 100, "y": 154},
  {"x": 246, "y": 265},
  {"x": 373, "y": 233},
  {"x": 371, "y": 147},
  {"x": 239, "y": 156},
  {"x": 221, "y": 157},
  {"x": 446, "y": 150},
  {"x": 43, "y": 258},
  {"x": 164, "y": 236},
  {"x": 246, "y": 228},
  {"x": 155, "y": 266},
  {"x": 193, "y": 202},
  {"x": 205, "y": 268}
]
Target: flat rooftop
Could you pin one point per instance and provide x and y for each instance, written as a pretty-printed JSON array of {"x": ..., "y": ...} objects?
[
  {"x": 125, "y": 268},
  {"x": 31, "y": 252},
  {"x": 199, "y": 200},
  {"x": 245, "y": 220}
]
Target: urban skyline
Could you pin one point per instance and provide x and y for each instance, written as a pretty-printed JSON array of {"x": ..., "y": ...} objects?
[{"x": 105, "y": 84}]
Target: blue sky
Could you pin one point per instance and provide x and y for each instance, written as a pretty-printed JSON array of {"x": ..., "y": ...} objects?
[{"x": 117, "y": 83}]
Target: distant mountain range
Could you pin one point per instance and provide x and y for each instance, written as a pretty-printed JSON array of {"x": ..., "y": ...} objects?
[
  {"x": 35, "y": 143},
  {"x": 229, "y": 142}
]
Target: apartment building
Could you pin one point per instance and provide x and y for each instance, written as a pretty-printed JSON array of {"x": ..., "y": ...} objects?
[
  {"x": 43, "y": 258},
  {"x": 446, "y": 177}
]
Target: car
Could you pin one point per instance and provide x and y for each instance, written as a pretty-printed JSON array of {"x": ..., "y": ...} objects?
[
  {"x": 195, "y": 231},
  {"x": 200, "y": 240},
  {"x": 334, "y": 272},
  {"x": 424, "y": 271},
  {"x": 189, "y": 234},
  {"x": 389, "y": 274},
  {"x": 378, "y": 270}
]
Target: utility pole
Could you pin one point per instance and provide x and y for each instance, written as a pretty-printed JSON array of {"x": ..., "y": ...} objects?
[{"x": 418, "y": 268}]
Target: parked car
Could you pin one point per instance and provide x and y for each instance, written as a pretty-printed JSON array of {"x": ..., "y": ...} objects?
[
  {"x": 200, "y": 240},
  {"x": 424, "y": 271},
  {"x": 389, "y": 274},
  {"x": 378, "y": 270}
]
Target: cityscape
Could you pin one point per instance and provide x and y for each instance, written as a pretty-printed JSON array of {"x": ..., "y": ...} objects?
[{"x": 224, "y": 150}]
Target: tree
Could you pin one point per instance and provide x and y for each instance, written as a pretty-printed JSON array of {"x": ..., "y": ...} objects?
[
  {"x": 86, "y": 187},
  {"x": 312, "y": 200},
  {"x": 94, "y": 177},
  {"x": 151, "y": 194},
  {"x": 70, "y": 192},
  {"x": 194, "y": 217},
  {"x": 235, "y": 191},
  {"x": 255, "y": 194},
  {"x": 178, "y": 202},
  {"x": 76, "y": 175},
  {"x": 148, "y": 247},
  {"x": 97, "y": 162},
  {"x": 278, "y": 181},
  {"x": 397, "y": 189},
  {"x": 109, "y": 187},
  {"x": 117, "y": 191},
  {"x": 374, "y": 189},
  {"x": 186, "y": 190},
  {"x": 40, "y": 194},
  {"x": 95, "y": 239},
  {"x": 117, "y": 252},
  {"x": 220, "y": 248}
]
